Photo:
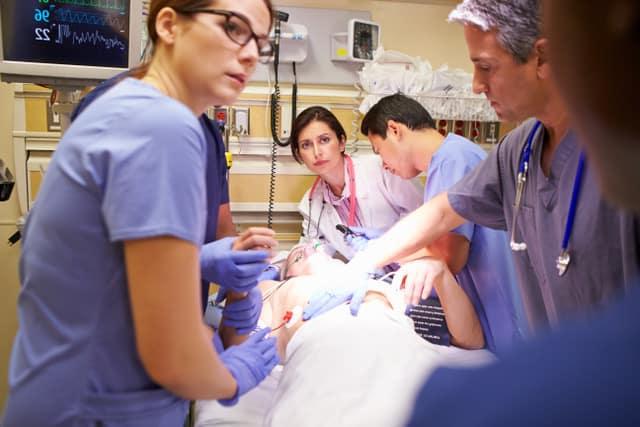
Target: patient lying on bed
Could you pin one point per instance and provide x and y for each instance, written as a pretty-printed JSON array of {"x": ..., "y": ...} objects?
[
  {"x": 462, "y": 321},
  {"x": 339, "y": 370}
]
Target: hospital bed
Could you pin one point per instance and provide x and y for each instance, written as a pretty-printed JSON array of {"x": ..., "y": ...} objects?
[{"x": 368, "y": 373}]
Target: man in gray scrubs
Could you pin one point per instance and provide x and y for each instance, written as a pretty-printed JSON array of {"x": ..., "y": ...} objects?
[
  {"x": 584, "y": 373},
  {"x": 511, "y": 68}
]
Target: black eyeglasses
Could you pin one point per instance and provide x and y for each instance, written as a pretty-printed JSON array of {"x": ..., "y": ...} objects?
[{"x": 238, "y": 29}]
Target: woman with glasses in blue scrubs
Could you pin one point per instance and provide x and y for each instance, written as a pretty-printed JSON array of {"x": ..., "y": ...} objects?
[{"x": 111, "y": 331}]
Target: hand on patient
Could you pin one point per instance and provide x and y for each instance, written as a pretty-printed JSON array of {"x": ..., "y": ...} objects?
[
  {"x": 236, "y": 270},
  {"x": 351, "y": 285},
  {"x": 324, "y": 300},
  {"x": 418, "y": 277},
  {"x": 250, "y": 362},
  {"x": 241, "y": 313},
  {"x": 271, "y": 272}
]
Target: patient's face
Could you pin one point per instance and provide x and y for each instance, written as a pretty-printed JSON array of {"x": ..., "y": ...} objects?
[{"x": 308, "y": 259}]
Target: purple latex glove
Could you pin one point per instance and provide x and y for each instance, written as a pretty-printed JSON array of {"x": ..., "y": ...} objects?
[
  {"x": 235, "y": 270},
  {"x": 243, "y": 314},
  {"x": 250, "y": 362},
  {"x": 352, "y": 286},
  {"x": 272, "y": 272},
  {"x": 359, "y": 240}
]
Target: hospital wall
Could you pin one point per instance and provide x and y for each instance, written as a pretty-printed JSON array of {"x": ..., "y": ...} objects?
[
  {"x": 416, "y": 29},
  {"x": 9, "y": 213}
]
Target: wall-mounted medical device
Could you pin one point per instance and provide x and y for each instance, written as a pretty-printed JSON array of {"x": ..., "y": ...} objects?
[
  {"x": 6, "y": 182},
  {"x": 294, "y": 42},
  {"x": 68, "y": 43},
  {"x": 358, "y": 44}
]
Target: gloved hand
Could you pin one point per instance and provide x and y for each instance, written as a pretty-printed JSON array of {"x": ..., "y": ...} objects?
[
  {"x": 235, "y": 270},
  {"x": 352, "y": 287},
  {"x": 242, "y": 314},
  {"x": 250, "y": 362},
  {"x": 360, "y": 239},
  {"x": 270, "y": 273}
]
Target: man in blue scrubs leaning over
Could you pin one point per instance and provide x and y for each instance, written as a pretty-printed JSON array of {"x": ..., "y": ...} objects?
[
  {"x": 511, "y": 67},
  {"x": 584, "y": 374},
  {"x": 403, "y": 133}
]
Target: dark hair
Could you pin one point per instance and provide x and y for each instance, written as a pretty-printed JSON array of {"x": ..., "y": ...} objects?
[
  {"x": 157, "y": 5},
  {"x": 309, "y": 115},
  {"x": 399, "y": 108}
]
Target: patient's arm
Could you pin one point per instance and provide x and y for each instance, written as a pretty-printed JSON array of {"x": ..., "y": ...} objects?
[
  {"x": 228, "y": 334},
  {"x": 462, "y": 320},
  {"x": 419, "y": 276}
]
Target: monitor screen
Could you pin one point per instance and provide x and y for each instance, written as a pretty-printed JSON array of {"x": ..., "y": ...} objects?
[
  {"x": 364, "y": 38},
  {"x": 69, "y": 39}
]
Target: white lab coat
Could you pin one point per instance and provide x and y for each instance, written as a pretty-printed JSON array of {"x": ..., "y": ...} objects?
[{"x": 382, "y": 199}]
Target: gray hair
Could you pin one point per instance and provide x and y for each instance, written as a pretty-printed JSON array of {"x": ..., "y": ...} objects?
[{"x": 518, "y": 22}]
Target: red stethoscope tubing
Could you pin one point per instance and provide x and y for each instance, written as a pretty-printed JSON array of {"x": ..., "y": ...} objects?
[{"x": 351, "y": 221}]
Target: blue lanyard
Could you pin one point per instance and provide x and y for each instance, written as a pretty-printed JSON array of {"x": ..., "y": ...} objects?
[
  {"x": 575, "y": 196},
  {"x": 526, "y": 152},
  {"x": 523, "y": 168}
]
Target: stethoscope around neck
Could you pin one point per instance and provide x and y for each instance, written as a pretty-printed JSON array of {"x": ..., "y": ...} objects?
[
  {"x": 351, "y": 220},
  {"x": 564, "y": 259}
]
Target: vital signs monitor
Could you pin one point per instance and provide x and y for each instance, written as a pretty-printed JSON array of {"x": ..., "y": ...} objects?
[{"x": 68, "y": 42}]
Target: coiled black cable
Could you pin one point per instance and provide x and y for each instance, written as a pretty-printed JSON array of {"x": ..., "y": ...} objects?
[
  {"x": 275, "y": 103},
  {"x": 275, "y": 121},
  {"x": 272, "y": 185},
  {"x": 275, "y": 118}
]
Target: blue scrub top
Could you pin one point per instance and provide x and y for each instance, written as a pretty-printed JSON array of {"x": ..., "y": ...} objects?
[
  {"x": 604, "y": 245},
  {"x": 488, "y": 278},
  {"x": 217, "y": 172},
  {"x": 132, "y": 166},
  {"x": 217, "y": 187},
  {"x": 583, "y": 374}
]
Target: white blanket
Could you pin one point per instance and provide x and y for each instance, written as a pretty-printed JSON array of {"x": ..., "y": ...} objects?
[
  {"x": 343, "y": 370},
  {"x": 250, "y": 411},
  {"x": 357, "y": 371}
]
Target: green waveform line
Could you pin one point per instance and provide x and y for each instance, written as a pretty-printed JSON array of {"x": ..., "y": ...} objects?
[{"x": 118, "y": 5}]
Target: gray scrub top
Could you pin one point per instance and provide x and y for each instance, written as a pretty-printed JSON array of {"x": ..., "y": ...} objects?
[{"x": 604, "y": 244}]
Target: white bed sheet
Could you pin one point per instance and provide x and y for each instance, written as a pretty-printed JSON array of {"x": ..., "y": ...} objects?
[
  {"x": 357, "y": 371},
  {"x": 343, "y": 370},
  {"x": 250, "y": 411}
]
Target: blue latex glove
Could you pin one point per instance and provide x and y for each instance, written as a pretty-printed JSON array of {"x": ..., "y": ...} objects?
[
  {"x": 250, "y": 362},
  {"x": 242, "y": 315},
  {"x": 353, "y": 287},
  {"x": 323, "y": 301},
  {"x": 235, "y": 270},
  {"x": 217, "y": 343},
  {"x": 360, "y": 239},
  {"x": 270, "y": 273}
]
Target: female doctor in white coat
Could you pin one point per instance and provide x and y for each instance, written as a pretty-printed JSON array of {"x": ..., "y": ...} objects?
[{"x": 356, "y": 191}]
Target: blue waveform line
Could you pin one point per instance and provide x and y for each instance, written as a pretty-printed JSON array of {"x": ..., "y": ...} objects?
[
  {"x": 88, "y": 37},
  {"x": 73, "y": 17}
]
